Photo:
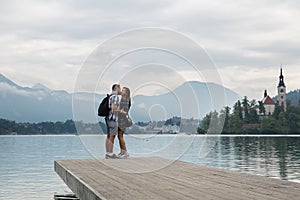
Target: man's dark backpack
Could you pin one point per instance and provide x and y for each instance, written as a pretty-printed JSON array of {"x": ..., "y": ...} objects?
[{"x": 104, "y": 109}]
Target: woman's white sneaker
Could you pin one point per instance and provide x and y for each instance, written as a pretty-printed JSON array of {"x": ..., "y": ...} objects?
[{"x": 123, "y": 155}]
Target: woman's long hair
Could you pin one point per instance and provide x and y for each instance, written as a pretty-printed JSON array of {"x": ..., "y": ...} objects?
[{"x": 127, "y": 94}]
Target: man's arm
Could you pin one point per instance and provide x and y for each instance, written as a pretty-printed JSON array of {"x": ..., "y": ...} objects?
[{"x": 114, "y": 107}]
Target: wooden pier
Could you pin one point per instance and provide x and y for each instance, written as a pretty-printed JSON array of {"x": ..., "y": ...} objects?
[{"x": 93, "y": 179}]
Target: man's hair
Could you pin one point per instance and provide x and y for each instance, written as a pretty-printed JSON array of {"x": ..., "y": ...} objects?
[{"x": 114, "y": 87}]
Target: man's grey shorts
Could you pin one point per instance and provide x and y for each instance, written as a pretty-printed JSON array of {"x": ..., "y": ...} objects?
[{"x": 112, "y": 127}]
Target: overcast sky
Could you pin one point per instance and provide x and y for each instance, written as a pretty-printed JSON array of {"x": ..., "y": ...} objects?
[{"x": 48, "y": 41}]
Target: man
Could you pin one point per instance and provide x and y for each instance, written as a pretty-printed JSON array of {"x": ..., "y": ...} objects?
[{"x": 112, "y": 120}]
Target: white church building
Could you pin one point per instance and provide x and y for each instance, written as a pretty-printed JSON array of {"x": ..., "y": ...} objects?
[{"x": 269, "y": 103}]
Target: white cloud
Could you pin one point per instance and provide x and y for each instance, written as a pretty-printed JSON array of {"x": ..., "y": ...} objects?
[
  {"x": 252, "y": 81},
  {"x": 47, "y": 41}
]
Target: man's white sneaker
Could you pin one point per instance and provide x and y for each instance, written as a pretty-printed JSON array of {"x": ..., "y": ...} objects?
[{"x": 110, "y": 155}]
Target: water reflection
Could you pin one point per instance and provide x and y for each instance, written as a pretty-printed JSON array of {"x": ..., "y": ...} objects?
[{"x": 276, "y": 157}]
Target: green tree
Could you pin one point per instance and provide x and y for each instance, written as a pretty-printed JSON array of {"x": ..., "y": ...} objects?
[
  {"x": 269, "y": 126},
  {"x": 261, "y": 108},
  {"x": 246, "y": 108},
  {"x": 237, "y": 109},
  {"x": 282, "y": 123},
  {"x": 201, "y": 131},
  {"x": 225, "y": 114},
  {"x": 205, "y": 122},
  {"x": 293, "y": 119},
  {"x": 253, "y": 117},
  {"x": 277, "y": 111},
  {"x": 210, "y": 123}
]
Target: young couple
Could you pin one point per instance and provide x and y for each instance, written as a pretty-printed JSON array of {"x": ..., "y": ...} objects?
[{"x": 116, "y": 121}]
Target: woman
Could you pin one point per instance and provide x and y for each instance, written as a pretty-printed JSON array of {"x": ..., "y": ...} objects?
[{"x": 125, "y": 104}]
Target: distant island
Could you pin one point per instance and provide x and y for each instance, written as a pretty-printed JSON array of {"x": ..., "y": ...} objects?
[
  {"x": 278, "y": 115},
  {"x": 248, "y": 118}
]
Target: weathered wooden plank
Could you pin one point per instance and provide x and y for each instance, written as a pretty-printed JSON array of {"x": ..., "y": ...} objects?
[
  {"x": 158, "y": 178},
  {"x": 227, "y": 179}
]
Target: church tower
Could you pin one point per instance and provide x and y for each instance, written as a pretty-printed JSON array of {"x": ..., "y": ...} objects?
[{"x": 281, "y": 98}]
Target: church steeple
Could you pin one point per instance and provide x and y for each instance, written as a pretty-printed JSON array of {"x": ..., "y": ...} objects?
[
  {"x": 281, "y": 79},
  {"x": 265, "y": 94},
  {"x": 281, "y": 98}
]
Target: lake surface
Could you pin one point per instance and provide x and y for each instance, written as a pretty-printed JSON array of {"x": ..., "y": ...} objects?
[{"x": 26, "y": 162}]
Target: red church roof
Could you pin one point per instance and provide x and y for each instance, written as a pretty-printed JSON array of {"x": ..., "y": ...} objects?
[{"x": 268, "y": 101}]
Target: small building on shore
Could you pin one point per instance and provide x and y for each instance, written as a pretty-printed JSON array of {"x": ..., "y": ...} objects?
[{"x": 170, "y": 128}]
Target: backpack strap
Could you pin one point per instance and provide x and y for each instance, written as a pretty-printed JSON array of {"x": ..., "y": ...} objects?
[
  {"x": 108, "y": 97},
  {"x": 129, "y": 104}
]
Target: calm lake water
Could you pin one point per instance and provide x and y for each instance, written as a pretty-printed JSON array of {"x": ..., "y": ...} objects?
[{"x": 26, "y": 162}]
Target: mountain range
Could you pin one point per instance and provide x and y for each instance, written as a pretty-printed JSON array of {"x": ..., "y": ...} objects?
[{"x": 39, "y": 103}]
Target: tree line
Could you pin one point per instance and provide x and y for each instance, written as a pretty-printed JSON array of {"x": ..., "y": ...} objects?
[
  {"x": 249, "y": 117},
  {"x": 8, "y": 127},
  {"x": 294, "y": 97}
]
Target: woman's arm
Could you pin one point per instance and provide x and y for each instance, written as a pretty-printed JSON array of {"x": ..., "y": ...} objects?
[{"x": 123, "y": 112}]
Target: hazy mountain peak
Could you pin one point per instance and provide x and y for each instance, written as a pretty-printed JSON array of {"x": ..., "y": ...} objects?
[
  {"x": 39, "y": 103},
  {"x": 198, "y": 83},
  {"x": 3, "y": 79},
  {"x": 40, "y": 86},
  {"x": 204, "y": 85},
  {"x": 193, "y": 82}
]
